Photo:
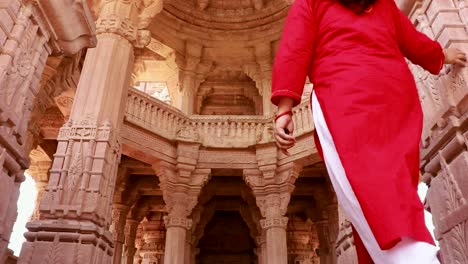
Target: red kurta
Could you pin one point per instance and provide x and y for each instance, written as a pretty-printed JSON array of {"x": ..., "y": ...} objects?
[{"x": 369, "y": 100}]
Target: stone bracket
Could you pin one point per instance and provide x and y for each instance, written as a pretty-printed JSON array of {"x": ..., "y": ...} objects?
[{"x": 70, "y": 23}]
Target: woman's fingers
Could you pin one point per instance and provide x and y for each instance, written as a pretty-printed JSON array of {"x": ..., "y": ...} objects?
[
  {"x": 460, "y": 62},
  {"x": 462, "y": 56},
  {"x": 284, "y": 143},
  {"x": 282, "y": 134},
  {"x": 283, "y": 149}
]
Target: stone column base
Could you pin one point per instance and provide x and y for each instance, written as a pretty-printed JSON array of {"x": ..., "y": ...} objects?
[{"x": 66, "y": 242}]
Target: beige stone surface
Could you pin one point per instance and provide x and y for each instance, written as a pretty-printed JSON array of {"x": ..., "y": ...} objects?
[{"x": 148, "y": 129}]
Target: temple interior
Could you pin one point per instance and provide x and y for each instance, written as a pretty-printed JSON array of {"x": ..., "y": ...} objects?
[{"x": 147, "y": 127}]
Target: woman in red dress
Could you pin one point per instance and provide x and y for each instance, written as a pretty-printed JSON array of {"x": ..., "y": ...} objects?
[{"x": 367, "y": 115}]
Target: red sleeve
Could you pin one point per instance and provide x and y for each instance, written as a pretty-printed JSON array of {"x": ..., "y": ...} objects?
[
  {"x": 294, "y": 54},
  {"x": 418, "y": 47}
]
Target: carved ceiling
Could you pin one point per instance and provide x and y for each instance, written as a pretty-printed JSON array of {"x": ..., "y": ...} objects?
[
  {"x": 228, "y": 30},
  {"x": 225, "y": 14}
]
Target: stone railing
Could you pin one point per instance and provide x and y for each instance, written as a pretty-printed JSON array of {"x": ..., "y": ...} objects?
[{"x": 210, "y": 130}]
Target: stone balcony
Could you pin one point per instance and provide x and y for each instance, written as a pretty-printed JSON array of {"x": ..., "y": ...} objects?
[{"x": 212, "y": 131}]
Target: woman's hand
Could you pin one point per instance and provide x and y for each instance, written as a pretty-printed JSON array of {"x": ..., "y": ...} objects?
[
  {"x": 455, "y": 56},
  {"x": 284, "y": 126}
]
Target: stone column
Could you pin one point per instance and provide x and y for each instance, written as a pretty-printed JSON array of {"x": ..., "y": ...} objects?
[
  {"x": 326, "y": 249},
  {"x": 131, "y": 227},
  {"x": 84, "y": 169},
  {"x": 40, "y": 187},
  {"x": 23, "y": 51},
  {"x": 39, "y": 171},
  {"x": 272, "y": 186},
  {"x": 139, "y": 243},
  {"x": 192, "y": 71},
  {"x": 177, "y": 225},
  {"x": 117, "y": 228},
  {"x": 344, "y": 245},
  {"x": 263, "y": 54},
  {"x": 444, "y": 151},
  {"x": 189, "y": 247},
  {"x": 181, "y": 184},
  {"x": 25, "y": 44},
  {"x": 261, "y": 248},
  {"x": 274, "y": 225},
  {"x": 152, "y": 250}
]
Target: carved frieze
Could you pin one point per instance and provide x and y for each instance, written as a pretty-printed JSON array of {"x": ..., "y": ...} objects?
[
  {"x": 279, "y": 222},
  {"x": 172, "y": 221}
]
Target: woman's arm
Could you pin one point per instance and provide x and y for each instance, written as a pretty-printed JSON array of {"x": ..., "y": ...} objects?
[
  {"x": 292, "y": 63},
  {"x": 417, "y": 47}
]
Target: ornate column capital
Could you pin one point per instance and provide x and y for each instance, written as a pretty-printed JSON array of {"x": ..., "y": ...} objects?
[
  {"x": 179, "y": 204},
  {"x": 273, "y": 204},
  {"x": 270, "y": 178},
  {"x": 128, "y": 19},
  {"x": 181, "y": 184},
  {"x": 119, "y": 215}
]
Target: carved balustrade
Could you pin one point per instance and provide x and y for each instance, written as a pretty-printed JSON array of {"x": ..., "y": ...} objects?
[{"x": 211, "y": 131}]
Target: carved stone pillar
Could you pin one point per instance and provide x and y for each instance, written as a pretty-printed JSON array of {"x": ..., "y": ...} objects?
[
  {"x": 139, "y": 243},
  {"x": 39, "y": 171},
  {"x": 345, "y": 249},
  {"x": 23, "y": 51},
  {"x": 25, "y": 44},
  {"x": 264, "y": 59},
  {"x": 189, "y": 247},
  {"x": 129, "y": 249},
  {"x": 40, "y": 187},
  {"x": 275, "y": 224},
  {"x": 272, "y": 186},
  {"x": 327, "y": 249},
  {"x": 333, "y": 229},
  {"x": 261, "y": 248},
  {"x": 302, "y": 241},
  {"x": 154, "y": 236},
  {"x": 192, "y": 72},
  {"x": 181, "y": 184},
  {"x": 84, "y": 169},
  {"x": 176, "y": 227},
  {"x": 117, "y": 228},
  {"x": 445, "y": 135}
]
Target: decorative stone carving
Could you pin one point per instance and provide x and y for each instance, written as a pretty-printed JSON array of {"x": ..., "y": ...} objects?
[
  {"x": 172, "y": 221},
  {"x": 187, "y": 133},
  {"x": 118, "y": 17},
  {"x": 444, "y": 136},
  {"x": 280, "y": 222},
  {"x": 25, "y": 44},
  {"x": 183, "y": 147},
  {"x": 84, "y": 170},
  {"x": 345, "y": 249}
]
